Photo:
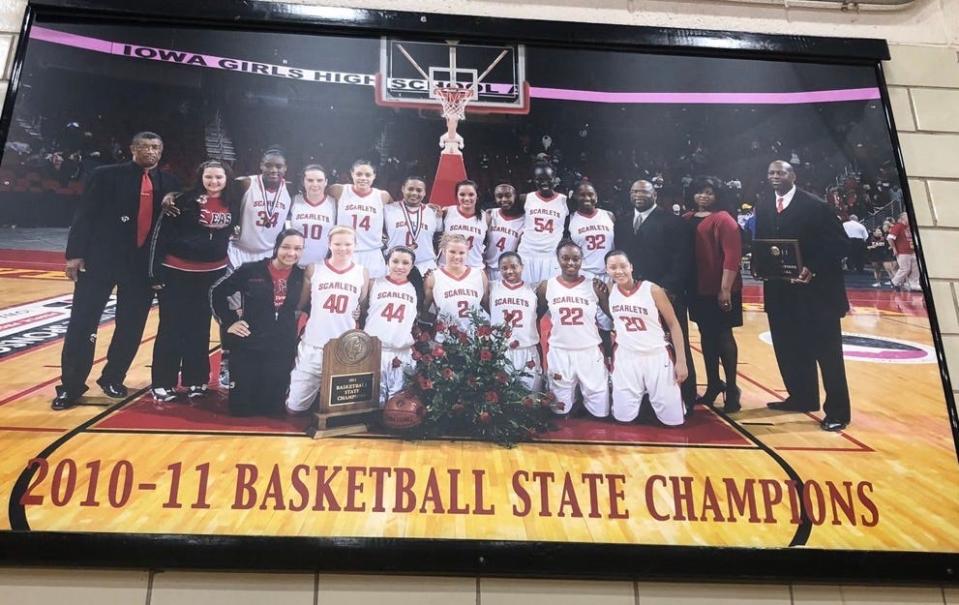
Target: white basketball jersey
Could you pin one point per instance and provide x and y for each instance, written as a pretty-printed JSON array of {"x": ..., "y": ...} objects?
[
  {"x": 456, "y": 298},
  {"x": 334, "y": 297},
  {"x": 636, "y": 319},
  {"x": 543, "y": 224},
  {"x": 594, "y": 234},
  {"x": 392, "y": 313},
  {"x": 473, "y": 228},
  {"x": 572, "y": 311},
  {"x": 262, "y": 216},
  {"x": 364, "y": 214},
  {"x": 515, "y": 306},
  {"x": 314, "y": 222},
  {"x": 503, "y": 236},
  {"x": 401, "y": 226}
]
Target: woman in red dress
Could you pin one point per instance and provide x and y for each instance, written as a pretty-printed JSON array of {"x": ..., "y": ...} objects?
[{"x": 716, "y": 304}]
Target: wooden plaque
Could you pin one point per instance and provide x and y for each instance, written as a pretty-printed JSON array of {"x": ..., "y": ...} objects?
[{"x": 350, "y": 391}]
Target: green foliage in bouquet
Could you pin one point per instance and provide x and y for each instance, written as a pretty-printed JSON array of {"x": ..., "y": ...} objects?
[{"x": 470, "y": 388}]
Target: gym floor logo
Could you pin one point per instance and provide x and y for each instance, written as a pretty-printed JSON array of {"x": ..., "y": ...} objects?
[
  {"x": 875, "y": 349},
  {"x": 23, "y": 327}
]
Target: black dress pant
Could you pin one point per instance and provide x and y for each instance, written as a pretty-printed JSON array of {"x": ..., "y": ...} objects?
[
  {"x": 857, "y": 255},
  {"x": 182, "y": 346},
  {"x": 90, "y": 295},
  {"x": 260, "y": 381},
  {"x": 688, "y": 388},
  {"x": 802, "y": 343}
]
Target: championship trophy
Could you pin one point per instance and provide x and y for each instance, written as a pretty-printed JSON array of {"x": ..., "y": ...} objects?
[{"x": 350, "y": 392}]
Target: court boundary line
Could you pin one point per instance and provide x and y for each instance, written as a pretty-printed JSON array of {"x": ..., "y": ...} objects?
[
  {"x": 16, "y": 511},
  {"x": 103, "y": 431},
  {"x": 804, "y": 527}
]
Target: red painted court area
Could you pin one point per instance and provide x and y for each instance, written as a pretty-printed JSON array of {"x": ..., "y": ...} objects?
[
  {"x": 40, "y": 260},
  {"x": 210, "y": 414}
]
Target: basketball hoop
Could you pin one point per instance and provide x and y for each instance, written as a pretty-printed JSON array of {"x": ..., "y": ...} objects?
[{"x": 454, "y": 100}]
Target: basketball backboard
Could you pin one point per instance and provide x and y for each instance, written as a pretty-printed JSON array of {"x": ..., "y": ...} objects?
[{"x": 411, "y": 70}]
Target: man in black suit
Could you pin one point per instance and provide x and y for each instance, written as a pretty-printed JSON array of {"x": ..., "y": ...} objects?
[
  {"x": 108, "y": 247},
  {"x": 804, "y": 313},
  {"x": 659, "y": 246}
]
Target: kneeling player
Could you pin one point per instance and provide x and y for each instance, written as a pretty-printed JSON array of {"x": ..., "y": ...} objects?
[
  {"x": 456, "y": 289},
  {"x": 576, "y": 356},
  {"x": 513, "y": 303},
  {"x": 393, "y": 303},
  {"x": 643, "y": 364},
  {"x": 336, "y": 287}
]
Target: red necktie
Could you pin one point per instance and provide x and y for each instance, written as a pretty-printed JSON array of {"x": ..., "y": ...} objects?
[
  {"x": 779, "y": 204},
  {"x": 145, "y": 214}
]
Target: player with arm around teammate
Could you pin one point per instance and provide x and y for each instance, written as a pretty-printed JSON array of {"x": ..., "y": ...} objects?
[
  {"x": 577, "y": 351},
  {"x": 390, "y": 313},
  {"x": 334, "y": 290},
  {"x": 505, "y": 227},
  {"x": 642, "y": 363},
  {"x": 264, "y": 208},
  {"x": 313, "y": 214},
  {"x": 464, "y": 219},
  {"x": 360, "y": 207},
  {"x": 513, "y": 303},
  {"x": 456, "y": 289},
  {"x": 592, "y": 229},
  {"x": 413, "y": 224},
  {"x": 545, "y": 214}
]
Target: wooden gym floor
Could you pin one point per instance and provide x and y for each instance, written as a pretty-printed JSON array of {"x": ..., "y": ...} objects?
[{"x": 886, "y": 483}]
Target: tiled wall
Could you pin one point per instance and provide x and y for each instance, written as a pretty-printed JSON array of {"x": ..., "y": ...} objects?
[
  {"x": 924, "y": 86},
  {"x": 56, "y": 587}
]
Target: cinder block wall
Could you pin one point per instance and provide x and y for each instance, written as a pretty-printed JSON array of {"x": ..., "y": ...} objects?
[{"x": 923, "y": 77}]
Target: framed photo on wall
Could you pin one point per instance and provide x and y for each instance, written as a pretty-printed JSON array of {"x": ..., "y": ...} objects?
[{"x": 290, "y": 287}]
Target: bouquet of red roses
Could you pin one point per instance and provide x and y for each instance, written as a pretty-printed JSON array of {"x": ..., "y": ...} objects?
[{"x": 469, "y": 388}]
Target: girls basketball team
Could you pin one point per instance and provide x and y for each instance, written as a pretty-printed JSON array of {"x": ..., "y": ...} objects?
[{"x": 355, "y": 258}]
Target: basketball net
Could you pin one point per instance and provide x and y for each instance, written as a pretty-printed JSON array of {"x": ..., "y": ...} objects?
[{"x": 454, "y": 100}]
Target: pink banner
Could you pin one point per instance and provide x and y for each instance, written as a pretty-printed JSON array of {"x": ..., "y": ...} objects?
[{"x": 135, "y": 51}]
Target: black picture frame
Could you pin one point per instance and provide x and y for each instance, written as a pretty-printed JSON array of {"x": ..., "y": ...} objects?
[{"x": 481, "y": 558}]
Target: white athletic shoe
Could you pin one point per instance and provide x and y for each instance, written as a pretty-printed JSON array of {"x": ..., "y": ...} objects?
[
  {"x": 161, "y": 395},
  {"x": 224, "y": 375},
  {"x": 876, "y": 285},
  {"x": 196, "y": 391}
]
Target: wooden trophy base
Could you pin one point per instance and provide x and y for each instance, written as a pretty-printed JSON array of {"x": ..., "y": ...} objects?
[{"x": 346, "y": 422}]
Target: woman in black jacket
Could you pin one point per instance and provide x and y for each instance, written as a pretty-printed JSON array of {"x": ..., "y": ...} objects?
[
  {"x": 187, "y": 255},
  {"x": 261, "y": 335}
]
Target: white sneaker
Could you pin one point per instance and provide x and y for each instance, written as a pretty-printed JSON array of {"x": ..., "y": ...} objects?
[
  {"x": 224, "y": 375},
  {"x": 161, "y": 395},
  {"x": 195, "y": 391},
  {"x": 876, "y": 285}
]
